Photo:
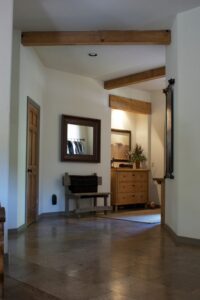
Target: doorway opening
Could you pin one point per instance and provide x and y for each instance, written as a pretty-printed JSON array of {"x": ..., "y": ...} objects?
[{"x": 138, "y": 194}]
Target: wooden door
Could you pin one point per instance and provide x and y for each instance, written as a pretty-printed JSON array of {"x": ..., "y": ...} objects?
[{"x": 32, "y": 165}]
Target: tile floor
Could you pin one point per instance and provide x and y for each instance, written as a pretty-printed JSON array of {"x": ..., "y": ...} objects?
[{"x": 102, "y": 259}]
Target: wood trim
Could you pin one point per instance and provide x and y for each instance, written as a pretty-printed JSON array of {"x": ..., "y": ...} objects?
[
  {"x": 52, "y": 214},
  {"x": 20, "y": 229},
  {"x": 37, "y": 106},
  {"x": 131, "y": 105},
  {"x": 135, "y": 78},
  {"x": 110, "y": 37}
]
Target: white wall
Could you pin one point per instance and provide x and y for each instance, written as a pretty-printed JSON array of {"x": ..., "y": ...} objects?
[
  {"x": 79, "y": 96},
  {"x": 30, "y": 78},
  {"x": 183, "y": 64},
  {"x": 143, "y": 136},
  {"x": 6, "y": 13},
  {"x": 124, "y": 120},
  {"x": 157, "y": 143},
  {"x": 32, "y": 84},
  {"x": 14, "y": 121},
  {"x": 138, "y": 124},
  {"x": 132, "y": 93}
]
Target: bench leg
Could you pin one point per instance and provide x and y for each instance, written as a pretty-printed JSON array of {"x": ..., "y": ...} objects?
[
  {"x": 105, "y": 204},
  {"x": 115, "y": 208},
  {"x": 95, "y": 204},
  {"x": 77, "y": 207},
  {"x": 67, "y": 204}
]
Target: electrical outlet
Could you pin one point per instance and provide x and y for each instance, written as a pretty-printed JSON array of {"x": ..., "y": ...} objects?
[{"x": 54, "y": 199}]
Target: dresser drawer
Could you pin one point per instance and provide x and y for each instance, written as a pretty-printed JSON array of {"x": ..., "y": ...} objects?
[
  {"x": 129, "y": 186},
  {"x": 131, "y": 198},
  {"x": 125, "y": 198},
  {"x": 141, "y": 198},
  {"x": 130, "y": 176},
  {"x": 126, "y": 187}
]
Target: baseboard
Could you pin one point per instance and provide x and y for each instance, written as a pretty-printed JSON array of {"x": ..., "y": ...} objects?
[
  {"x": 181, "y": 240},
  {"x": 52, "y": 214},
  {"x": 24, "y": 226},
  {"x": 17, "y": 230}
]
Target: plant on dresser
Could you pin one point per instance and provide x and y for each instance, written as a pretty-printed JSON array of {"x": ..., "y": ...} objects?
[
  {"x": 137, "y": 155},
  {"x": 129, "y": 186}
]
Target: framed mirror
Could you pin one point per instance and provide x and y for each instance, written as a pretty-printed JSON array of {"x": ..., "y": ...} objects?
[
  {"x": 120, "y": 145},
  {"x": 80, "y": 139}
]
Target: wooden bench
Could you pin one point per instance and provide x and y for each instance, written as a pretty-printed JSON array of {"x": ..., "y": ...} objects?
[{"x": 80, "y": 187}]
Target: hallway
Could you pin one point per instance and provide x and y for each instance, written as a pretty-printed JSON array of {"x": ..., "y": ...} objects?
[{"x": 102, "y": 259}]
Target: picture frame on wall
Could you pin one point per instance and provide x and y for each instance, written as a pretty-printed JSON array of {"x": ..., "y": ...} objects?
[
  {"x": 169, "y": 142},
  {"x": 120, "y": 145}
]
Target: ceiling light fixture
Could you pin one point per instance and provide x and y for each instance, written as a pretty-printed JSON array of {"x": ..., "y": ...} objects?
[{"x": 92, "y": 54}]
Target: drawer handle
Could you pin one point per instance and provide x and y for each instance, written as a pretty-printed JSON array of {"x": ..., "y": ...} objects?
[
  {"x": 133, "y": 174},
  {"x": 133, "y": 185},
  {"x": 133, "y": 195}
]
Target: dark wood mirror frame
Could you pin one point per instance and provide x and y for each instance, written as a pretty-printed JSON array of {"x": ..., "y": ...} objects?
[{"x": 95, "y": 124}]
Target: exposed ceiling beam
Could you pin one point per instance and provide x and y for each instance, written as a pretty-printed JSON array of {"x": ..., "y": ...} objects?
[
  {"x": 113, "y": 37},
  {"x": 127, "y": 104},
  {"x": 135, "y": 78}
]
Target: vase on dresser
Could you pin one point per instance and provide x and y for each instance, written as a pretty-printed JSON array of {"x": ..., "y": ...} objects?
[{"x": 137, "y": 164}]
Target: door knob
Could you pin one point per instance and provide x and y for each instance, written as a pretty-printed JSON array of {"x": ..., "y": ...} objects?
[{"x": 29, "y": 171}]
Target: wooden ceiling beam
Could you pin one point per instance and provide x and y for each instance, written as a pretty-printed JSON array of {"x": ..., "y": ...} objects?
[
  {"x": 135, "y": 78},
  {"x": 113, "y": 37},
  {"x": 131, "y": 105}
]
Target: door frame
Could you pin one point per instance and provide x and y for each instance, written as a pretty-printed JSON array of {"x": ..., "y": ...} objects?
[{"x": 33, "y": 103}]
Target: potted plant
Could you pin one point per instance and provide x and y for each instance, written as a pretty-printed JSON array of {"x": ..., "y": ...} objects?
[{"x": 137, "y": 156}]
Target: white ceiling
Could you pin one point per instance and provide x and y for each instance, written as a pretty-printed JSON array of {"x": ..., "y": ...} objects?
[
  {"x": 112, "y": 61},
  {"x": 98, "y": 14}
]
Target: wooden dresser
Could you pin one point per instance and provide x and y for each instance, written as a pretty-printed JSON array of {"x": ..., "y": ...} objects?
[{"x": 129, "y": 186}]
